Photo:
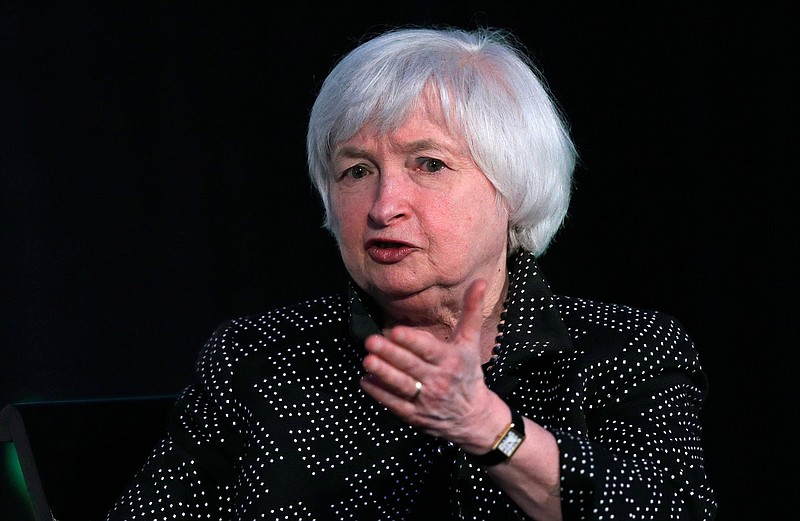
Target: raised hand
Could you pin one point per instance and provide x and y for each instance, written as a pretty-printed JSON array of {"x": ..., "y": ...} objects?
[{"x": 433, "y": 384}]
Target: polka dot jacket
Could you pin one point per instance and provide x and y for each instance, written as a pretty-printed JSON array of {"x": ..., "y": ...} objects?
[{"x": 276, "y": 427}]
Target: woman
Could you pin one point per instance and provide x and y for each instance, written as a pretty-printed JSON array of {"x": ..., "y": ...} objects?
[{"x": 449, "y": 382}]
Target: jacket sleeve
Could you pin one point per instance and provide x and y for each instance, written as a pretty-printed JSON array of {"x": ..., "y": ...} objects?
[
  {"x": 642, "y": 456},
  {"x": 189, "y": 473}
]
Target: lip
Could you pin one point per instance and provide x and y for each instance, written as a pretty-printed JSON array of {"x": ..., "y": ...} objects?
[{"x": 388, "y": 251}]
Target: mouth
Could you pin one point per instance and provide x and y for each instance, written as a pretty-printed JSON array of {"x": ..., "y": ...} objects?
[
  {"x": 385, "y": 251},
  {"x": 385, "y": 244}
]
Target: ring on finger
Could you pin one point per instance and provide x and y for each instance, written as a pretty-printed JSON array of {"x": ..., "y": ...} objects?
[{"x": 418, "y": 390}]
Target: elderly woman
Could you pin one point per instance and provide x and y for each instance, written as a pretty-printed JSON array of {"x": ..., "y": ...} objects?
[{"x": 448, "y": 382}]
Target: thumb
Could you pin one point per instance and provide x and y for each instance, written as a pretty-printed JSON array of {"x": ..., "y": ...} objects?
[{"x": 469, "y": 325}]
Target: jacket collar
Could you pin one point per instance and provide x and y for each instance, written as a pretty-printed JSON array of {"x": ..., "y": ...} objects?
[{"x": 533, "y": 327}]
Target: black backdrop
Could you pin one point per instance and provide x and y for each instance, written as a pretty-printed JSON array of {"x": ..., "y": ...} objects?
[{"x": 152, "y": 184}]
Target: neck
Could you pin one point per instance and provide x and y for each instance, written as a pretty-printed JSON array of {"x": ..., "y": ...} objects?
[{"x": 447, "y": 310}]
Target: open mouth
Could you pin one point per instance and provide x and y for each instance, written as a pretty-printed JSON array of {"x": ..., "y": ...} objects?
[
  {"x": 388, "y": 252},
  {"x": 386, "y": 244}
]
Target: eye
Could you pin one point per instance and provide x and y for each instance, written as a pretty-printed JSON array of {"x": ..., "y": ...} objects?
[
  {"x": 431, "y": 164},
  {"x": 355, "y": 172}
]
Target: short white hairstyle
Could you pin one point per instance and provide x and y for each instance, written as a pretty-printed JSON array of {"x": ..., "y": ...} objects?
[{"x": 491, "y": 94}]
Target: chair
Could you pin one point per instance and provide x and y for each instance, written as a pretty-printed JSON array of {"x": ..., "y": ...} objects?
[{"x": 77, "y": 457}]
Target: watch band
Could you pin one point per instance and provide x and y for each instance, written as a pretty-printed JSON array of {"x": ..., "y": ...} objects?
[{"x": 507, "y": 443}]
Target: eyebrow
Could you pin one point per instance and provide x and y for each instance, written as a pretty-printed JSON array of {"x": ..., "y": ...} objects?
[
  {"x": 420, "y": 145},
  {"x": 411, "y": 147}
]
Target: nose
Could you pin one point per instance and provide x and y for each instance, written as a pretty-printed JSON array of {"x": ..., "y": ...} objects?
[{"x": 391, "y": 198}]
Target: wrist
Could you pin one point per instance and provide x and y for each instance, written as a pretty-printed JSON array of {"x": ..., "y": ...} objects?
[
  {"x": 478, "y": 435},
  {"x": 505, "y": 443}
]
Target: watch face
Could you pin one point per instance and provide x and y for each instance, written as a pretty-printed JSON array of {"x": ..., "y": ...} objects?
[{"x": 509, "y": 443}]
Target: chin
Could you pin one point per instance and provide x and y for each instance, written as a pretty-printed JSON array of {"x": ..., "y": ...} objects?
[{"x": 394, "y": 290}]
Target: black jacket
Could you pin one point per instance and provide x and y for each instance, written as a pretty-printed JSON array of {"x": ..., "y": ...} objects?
[{"x": 276, "y": 427}]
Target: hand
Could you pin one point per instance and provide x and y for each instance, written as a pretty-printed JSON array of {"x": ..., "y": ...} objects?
[{"x": 454, "y": 400}]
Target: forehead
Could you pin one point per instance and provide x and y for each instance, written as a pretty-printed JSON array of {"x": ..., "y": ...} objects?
[{"x": 424, "y": 126}]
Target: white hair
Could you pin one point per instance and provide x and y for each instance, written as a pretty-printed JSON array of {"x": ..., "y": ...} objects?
[{"x": 490, "y": 93}]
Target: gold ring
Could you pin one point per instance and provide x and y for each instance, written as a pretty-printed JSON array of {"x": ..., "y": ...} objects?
[{"x": 418, "y": 386}]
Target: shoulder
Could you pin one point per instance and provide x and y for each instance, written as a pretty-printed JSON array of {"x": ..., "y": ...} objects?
[
  {"x": 621, "y": 317},
  {"x": 243, "y": 350},
  {"x": 300, "y": 316},
  {"x": 622, "y": 345},
  {"x": 602, "y": 325},
  {"x": 240, "y": 337}
]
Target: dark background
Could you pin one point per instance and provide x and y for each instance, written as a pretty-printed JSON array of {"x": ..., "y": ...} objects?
[{"x": 153, "y": 184}]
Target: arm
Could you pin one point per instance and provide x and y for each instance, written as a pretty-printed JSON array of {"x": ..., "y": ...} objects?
[
  {"x": 639, "y": 455},
  {"x": 641, "y": 459},
  {"x": 643, "y": 436},
  {"x": 531, "y": 477},
  {"x": 456, "y": 404},
  {"x": 189, "y": 472}
]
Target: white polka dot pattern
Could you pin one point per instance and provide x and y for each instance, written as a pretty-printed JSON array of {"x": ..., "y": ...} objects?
[{"x": 276, "y": 427}]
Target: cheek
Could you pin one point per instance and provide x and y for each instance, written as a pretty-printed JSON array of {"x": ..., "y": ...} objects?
[
  {"x": 338, "y": 211},
  {"x": 345, "y": 219},
  {"x": 485, "y": 223},
  {"x": 478, "y": 211}
]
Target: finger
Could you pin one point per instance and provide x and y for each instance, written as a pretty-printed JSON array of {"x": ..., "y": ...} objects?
[
  {"x": 402, "y": 405},
  {"x": 390, "y": 377},
  {"x": 469, "y": 325},
  {"x": 404, "y": 347}
]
